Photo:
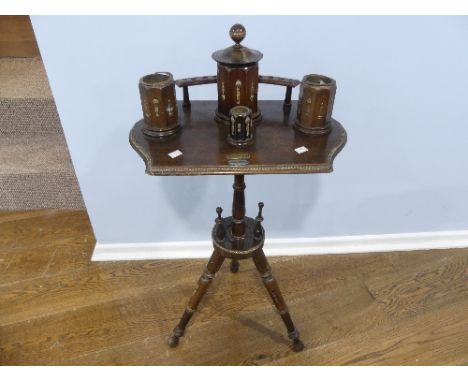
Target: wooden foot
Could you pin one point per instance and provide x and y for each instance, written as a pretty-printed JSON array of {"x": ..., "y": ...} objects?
[
  {"x": 273, "y": 289},
  {"x": 297, "y": 345},
  {"x": 204, "y": 282}
]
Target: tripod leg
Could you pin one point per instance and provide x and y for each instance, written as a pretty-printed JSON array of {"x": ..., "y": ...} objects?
[
  {"x": 234, "y": 265},
  {"x": 204, "y": 282},
  {"x": 274, "y": 291}
]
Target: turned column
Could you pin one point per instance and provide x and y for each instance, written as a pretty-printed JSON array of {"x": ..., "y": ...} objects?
[{"x": 238, "y": 207}]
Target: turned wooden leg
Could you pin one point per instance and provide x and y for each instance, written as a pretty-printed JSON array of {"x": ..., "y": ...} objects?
[
  {"x": 204, "y": 282},
  {"x": 234, "y": 265},
  {"x": 274, "y": 291}
]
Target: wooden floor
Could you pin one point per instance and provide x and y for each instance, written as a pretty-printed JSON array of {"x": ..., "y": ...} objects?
[
  {"x": 56, "y": 307},
  {"x": 17, "y": 37}
]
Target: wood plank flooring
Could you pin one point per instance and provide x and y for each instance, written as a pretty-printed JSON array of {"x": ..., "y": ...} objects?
[
  {"x": 17, "y": 37},
  {"x": 56, "y": 307}
]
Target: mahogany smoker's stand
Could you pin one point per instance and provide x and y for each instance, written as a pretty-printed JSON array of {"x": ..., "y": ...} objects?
[{"x": 205, "y": 151}]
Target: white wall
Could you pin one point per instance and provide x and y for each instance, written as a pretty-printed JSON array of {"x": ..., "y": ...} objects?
[{"x": 402, "y": 96}]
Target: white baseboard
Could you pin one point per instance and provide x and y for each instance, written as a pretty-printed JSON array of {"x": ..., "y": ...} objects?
[{"x": 288, "y": 247}]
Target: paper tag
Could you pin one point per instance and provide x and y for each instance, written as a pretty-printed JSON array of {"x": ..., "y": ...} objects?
[
  {"x": 301, "y": 150},
  {"x": 175, "y": 154}
]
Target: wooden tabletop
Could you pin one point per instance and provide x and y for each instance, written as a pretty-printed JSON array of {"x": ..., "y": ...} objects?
[{"x": 206, "y": 151}]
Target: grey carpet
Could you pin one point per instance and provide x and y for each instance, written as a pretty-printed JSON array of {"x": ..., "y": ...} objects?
[
  {"x": 30, "y": 115},
  {"x": 23, "y": 78},
  {"x": 35, "y": 166}
]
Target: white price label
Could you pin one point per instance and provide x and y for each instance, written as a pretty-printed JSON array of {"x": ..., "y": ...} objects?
[
  {"x": 301, "y": 150},
  {"x": 175, "y": 154}
]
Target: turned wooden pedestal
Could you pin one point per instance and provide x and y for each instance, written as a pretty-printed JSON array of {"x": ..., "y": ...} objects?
[
  {"x": 238, "y": 237},
  {"x": 205, "y": 151}
]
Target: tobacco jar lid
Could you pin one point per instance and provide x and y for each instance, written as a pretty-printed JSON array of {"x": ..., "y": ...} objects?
[{"x": 237, "y": 54}]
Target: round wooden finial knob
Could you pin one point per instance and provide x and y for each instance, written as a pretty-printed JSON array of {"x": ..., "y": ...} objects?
[
  {"x": 219, "y": 211},
  {"x": 237, "y": 33}
]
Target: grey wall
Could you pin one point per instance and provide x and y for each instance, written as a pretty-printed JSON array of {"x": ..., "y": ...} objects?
[{"x": 402, "y": 96}]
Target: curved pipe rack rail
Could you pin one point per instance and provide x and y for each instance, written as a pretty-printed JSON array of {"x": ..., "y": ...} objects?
[{"x": 289, "y": 83}]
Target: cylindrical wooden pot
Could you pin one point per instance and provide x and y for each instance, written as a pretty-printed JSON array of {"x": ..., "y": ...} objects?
[
  {"x": 237, "y": 86},
  {"x": 241, "y": 126},
  {"x": 237, "y": 77},
  {"x": 315, "y": 106},
  {"x": 159, "y": 104}
]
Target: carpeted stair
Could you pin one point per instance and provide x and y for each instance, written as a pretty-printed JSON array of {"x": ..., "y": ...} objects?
[{"x": 35, "y": 166}]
